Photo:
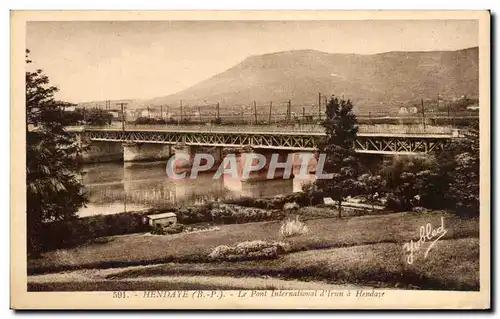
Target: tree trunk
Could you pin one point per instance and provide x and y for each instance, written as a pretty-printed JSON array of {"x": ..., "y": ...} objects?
[{"x": 340, "y": 209}]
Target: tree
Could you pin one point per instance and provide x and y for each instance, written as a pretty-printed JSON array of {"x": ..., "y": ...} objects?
[
  {"x": 97, "y": 117},
  {"x": 410, "y": 181},
  {"x": 54, "y": 191},
  {"x": 341, "y": 128},
  {"x": 459, "y": 170},
  {"x": 373, "y": 186}
]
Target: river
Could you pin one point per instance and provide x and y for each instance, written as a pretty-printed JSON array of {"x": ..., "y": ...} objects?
[{"x": 118, "y": 187}]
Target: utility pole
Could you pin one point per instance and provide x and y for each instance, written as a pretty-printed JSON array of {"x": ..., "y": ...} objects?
[
  {"x": 181, "y": 113},
  {"x": 122, "y": 105},
  {"x": 255, "y": 111},
  {"x": 319, "y": 106},
  {"x": 270, "y": 111},
  {"x": 303, "y": 114},
  {"x": 449, "y": 118},
  {"x": 161, "y": 112},
  {"x": 423, "y": 112},
  {"x": 199, "y": 113},
  {"x": 149, "y": 114},
  {"x": 218, "y": 110}
]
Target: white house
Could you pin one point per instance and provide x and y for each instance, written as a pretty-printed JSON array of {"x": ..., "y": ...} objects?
[{"x": 408, "y": 110}]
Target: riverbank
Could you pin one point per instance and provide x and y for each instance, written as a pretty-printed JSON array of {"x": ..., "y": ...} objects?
[{"x": 360, "y": 250}]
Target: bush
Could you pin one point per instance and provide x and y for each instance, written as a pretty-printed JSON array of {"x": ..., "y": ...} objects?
[
  {"x": 230, "y": 214},
  {"x": 293, "y": 227},
  {"x": 195, "y": 214},
  {"x": 419, "y": 209},
  {"x": 249, "y": 250},
  {"x": 291, "y": 206},
  {"x": 174, "y": 229},
  {"x": 78, "y": 231}
]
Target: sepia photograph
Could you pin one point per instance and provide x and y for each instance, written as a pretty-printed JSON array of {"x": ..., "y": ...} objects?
[{"x": 223, "y": 160}]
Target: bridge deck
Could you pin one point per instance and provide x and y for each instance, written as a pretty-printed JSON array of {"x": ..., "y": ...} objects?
[{"x": 264, "y": 132}]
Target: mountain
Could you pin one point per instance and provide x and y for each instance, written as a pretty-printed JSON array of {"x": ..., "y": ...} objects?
[{"x": 373, "y": 82}]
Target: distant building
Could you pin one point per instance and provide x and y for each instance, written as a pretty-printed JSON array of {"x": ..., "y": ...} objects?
[
  {"x": 407, "y": 110},
  {"x": 473, "y": 107},
  {"x": 115, "y": 114},
  {"x": 70, "y": 108}
]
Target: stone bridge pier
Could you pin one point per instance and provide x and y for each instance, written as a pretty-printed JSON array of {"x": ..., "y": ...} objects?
[
  {"x": 279, "y": 164},
  {"x": 98, "y": 151},
  {"x": 137, "y": 152},
  {"x": 183, "y": 157}
]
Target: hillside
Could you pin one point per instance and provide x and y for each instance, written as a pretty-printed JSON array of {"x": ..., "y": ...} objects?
[
  {"x": 378, "y": 82},
  {"x": 375, "y": 80}
]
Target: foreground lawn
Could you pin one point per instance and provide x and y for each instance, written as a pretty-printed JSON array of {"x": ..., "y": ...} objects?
[
  {"x": 141, "y": 249},
  {"x": 450, "y": 265}
]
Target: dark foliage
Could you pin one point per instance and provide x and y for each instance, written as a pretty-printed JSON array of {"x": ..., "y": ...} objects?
[
  {"x": 54, "y": 191},
  {"x": 341, "y": 128}
]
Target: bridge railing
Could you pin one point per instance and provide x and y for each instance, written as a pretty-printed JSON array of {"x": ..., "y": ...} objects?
[{"x": 305, "y": 128}]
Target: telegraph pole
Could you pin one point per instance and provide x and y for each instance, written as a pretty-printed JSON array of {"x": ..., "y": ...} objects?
[
  {"x": 319, "y": 106},
  {"x": 270, "y": 111},
  {"x": 218, "y": 110},
  {"x": 423, "y": 111},
  {"x": 161, "y": 112},
  {"x": 255, "y": 111},
  {"x": 122, "y": 105},
  {"x": 303, "y": 114},
  {"x": 290, "y": 110},
  {"x": 181, "y": 113},
  {"x": 199, "y": 113}
]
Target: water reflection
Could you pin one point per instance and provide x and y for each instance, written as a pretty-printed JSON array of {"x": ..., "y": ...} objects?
[{"x": 115, "y": 187}]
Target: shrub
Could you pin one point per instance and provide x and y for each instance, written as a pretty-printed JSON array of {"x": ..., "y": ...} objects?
[
  {"x": 293, "y": 227},
  {"x": 229, "y": 214},
  {"x": 78, "y": 231},
  {"x": 195, "y": 214},
  {"x": 158, "y": 230},
  {"x": 419, "y": 209},
  {"x": 249, "y": 250},
  {"x": 291, "y": 206},
  {"x": 174, "y": 229}
]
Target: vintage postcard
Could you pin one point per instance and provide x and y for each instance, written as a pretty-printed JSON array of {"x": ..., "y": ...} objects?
[{"x": 250, "y": 160}]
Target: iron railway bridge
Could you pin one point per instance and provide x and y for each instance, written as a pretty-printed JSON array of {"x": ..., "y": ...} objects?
[{"x": 367, "y": 143}]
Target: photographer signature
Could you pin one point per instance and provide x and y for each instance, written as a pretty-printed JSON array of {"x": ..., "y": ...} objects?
[{"x": 427, "y": 233}]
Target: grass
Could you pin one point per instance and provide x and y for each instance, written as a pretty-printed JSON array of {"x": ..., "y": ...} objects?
[
  {"x": 140, "y": 249},
  {"x": 450, "y": 265}
]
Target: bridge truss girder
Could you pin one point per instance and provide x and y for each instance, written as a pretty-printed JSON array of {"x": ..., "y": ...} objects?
[{"x": 377, "y": 144}]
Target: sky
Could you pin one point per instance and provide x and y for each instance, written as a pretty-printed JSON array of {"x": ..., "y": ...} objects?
[{"x": 92, "y": 61}]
